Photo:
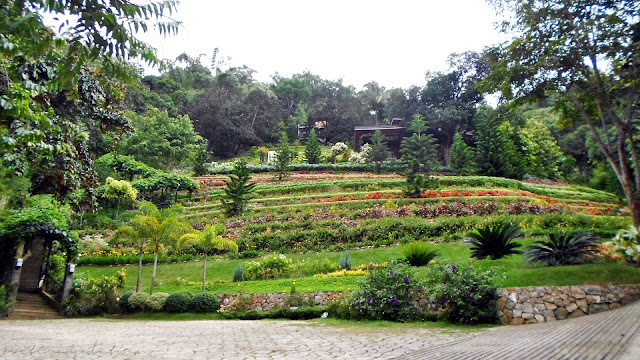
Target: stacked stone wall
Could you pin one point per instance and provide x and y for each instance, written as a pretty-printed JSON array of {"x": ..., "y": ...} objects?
[{"x": 530, "y": 305}]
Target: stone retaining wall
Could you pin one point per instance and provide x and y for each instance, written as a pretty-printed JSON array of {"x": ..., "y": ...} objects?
[
  {"x": 515, "y": 306},
  {"x": 529, "y": 305}
]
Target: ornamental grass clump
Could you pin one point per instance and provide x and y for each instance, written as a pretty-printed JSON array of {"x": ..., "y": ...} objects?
[
  {"x": 418, "y": 254},
  {"x": 466, "y": 294},
  {"x": 563, "y": 248},
  {"x": 494, "y": 241},
  {"x": 388, "y": 293}
]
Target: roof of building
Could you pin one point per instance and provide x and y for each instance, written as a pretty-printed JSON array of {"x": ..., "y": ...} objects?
[{"x": 378, "y": 127}]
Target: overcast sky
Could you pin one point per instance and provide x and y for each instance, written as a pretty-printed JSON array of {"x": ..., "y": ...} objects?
[{"x": 391, "y": 42}]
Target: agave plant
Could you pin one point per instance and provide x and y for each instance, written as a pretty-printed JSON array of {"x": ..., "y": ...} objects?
[
  {"x": 418, "y": 254},
  {"x": 563, "y": 248},
  {"x": 494, "y": 241}
]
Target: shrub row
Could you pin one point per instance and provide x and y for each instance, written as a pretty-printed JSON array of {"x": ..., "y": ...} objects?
[
  {"x": 176, "y": 302},
  {"x": 300, "y": 313},
  {"x": 131, "y": 259}
]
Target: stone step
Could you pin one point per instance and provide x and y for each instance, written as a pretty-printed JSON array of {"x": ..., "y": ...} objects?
[{"x": 31, "y": 306}]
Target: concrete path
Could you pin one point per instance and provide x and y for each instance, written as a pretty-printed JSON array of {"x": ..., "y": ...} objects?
[{"x": 609, "y": 335}]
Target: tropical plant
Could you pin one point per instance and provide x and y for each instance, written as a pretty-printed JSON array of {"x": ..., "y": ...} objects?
[
  {"x": 625, "y": 244},
  {"x": 562, "y": 248},
  {"x": 418, "y": 254},
  {"x": 494, "y": 241},
  {"x": 345, "y": 261},
  {"x": 467, "y": 294},
  {"x": 209, "y": 242},
  {"x": 121, "y": 191},
  {"x": 312, "y": 150},
  {"x": 237, "y": 190}
]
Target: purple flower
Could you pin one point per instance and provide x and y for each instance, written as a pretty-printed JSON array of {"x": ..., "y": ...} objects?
[
  {"x": 360, "y": 312},
  {"x": 368, "y": 301},
  {"x": 454, "y": 268},
  {"x": 468, "y": 296},
  {"x": 390, "y": 272},
  {"x": 406, "y": 279},
  {"x": 443, "y": 300},
  {"x": 433, "y": 303},
  {"x": 395, "y": 301},
  {"x": 507, "y": 277}
]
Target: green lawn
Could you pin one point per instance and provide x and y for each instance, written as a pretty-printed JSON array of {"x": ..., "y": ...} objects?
[{"x": 510, "y": 271}]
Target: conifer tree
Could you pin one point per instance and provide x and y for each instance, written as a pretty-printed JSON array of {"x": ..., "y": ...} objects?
[
  {"x": 462, "y": 157},
  {"x": 419, "y": 152},
  {"x": 284, "y": 156},
  {"x": 237, "y": 190},
  {"x": 312, "y": 150},
  {"x": 496, "y": 154},
  {"x": 379, "y": 151}
]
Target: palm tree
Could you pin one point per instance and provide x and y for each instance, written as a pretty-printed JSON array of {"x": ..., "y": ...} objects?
[
  {"x": 374, "y": 97},
  {"x": 209, "y": 242},
  {"x": 165, "y": 230}
]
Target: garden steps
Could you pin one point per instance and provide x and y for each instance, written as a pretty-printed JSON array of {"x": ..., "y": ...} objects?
[{"x": 30, "y": 306}]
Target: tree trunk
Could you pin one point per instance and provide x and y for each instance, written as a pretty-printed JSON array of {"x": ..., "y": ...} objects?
[
  {"x": 153, "y": 276},
  {"x": 204, "y": 272},
  {"x": 139, "y": 269}
]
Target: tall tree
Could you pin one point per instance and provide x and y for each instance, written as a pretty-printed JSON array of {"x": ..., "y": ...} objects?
[
  {"x": 207, "y": 241},
  {"x": 312, "y": 150},
  {"x": 237, "y": 190},
  {"x": 379, "y": 151},
  {"x": 588, "y": 52},
  {"x": 284, "y": 156},
  {"x": 374, "y": 97},
  {"x": 419, "y": 152},
  {"x": 462, "y": 157}
]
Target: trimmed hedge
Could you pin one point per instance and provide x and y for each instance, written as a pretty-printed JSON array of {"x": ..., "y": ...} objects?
[
  {"x": 204, "y": 302},
  {"x": 178, "y": 302}
]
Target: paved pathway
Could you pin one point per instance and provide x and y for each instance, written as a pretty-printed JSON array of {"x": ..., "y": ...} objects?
[{"x": 609, "y": 335}]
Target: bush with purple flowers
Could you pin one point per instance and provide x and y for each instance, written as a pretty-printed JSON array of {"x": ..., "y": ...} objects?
[
  {"x": 466, "y": 293},
  {"x": 389, "y": 293}
]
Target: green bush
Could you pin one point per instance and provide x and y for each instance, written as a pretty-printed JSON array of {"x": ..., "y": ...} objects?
[
  {"x": 157, "y": 301},
  {"x": 94, "y": 296},
  {"x": 418, "y": 254},
  {"x": 467, "y": 294},
  {"x": 138, "y": 301},
  {"x": 494, "y": 241},
  {"x": 563, "y": 248},
  {"x": 389, "y": 293},
  {"x": 123, "y": 303},
  {"x": 238, "y": 274},
  {"x": 6, "y": 302},
  {"x": 301, "y": 313},
  {"x": 312, "y": 267},
  {"x": 178, "y": 302},
  {"x": 204, "y": 302},
  {"x": 269, "y": 267}
]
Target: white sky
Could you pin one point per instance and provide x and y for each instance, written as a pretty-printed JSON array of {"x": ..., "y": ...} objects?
[{"x": 391, "y": 42}]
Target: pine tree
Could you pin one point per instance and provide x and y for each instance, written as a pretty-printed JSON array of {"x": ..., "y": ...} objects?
[
  {"x": 496, "y": 154},
  {"x": 284, "y": 156},
  {"x": 237, "y": 190},
  {"x": 379, "y": 151},
  {"x": 420, "y": 153},
  {"x": 312, "y": 150},
  {"x": 462, "y": 157}
]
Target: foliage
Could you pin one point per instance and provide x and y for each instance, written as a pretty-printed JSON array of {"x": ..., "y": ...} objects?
[
  {"x": 284, "y": 156},
  {"x": 238, "y": 273},
  {"x": 139, "y": 301},
  {"x": 418, "y": 254},
  {"x": 269, "y": 267},
  {"x": 208, "y": 241},
  {"x": 299, "y": 313},
  {"x": 338, "y": 149},
  {"x": 204, "y": 302},
  {"x": 462, "y": 157},
  {"x": 237, "y": 191},
  {"x": 94, "y": 296},
  {"x": 312, "y": 150},
  {"x": 594, "y": 75},
  {"x": 467, "y": 293},
  {"x": 389, "y": 293},
  {"x": 6, "y": 301},
  {"x": 418, "y": 124},
  {"x": 495, "y": 152},
  {"x": 123, "y": 303},
  {"x": 121, "y": 191},
  {"x": 420, "y": 152},
  {"x": 494, "y": 241},
  {"x": 562, "y": 248},
  {"x": 157, "y": 301},
  {"x": 542, "y": 154},
  {"x": 178, "y": 302},
  {"x": 63, "y": 89},
  {"x": 200, "y": 159},
  {"x": 626, "y": 245},
  {"x": 345, "y": 261},
  {"x": 378, "y": 152},
  {"x": 162, "y": 141}
]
